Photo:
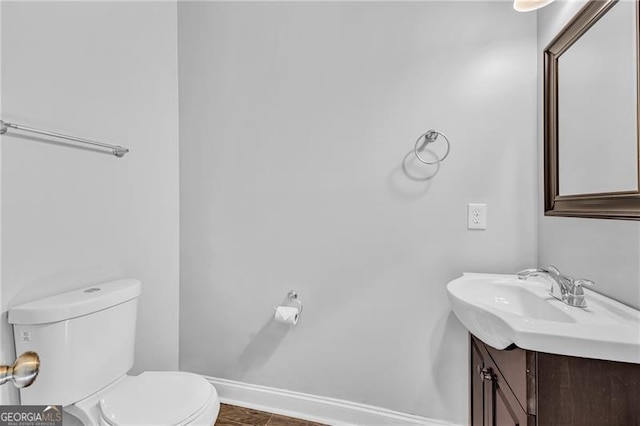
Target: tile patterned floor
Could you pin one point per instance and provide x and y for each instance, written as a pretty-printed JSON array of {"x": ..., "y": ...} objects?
[{"x": 231, "y": 415}]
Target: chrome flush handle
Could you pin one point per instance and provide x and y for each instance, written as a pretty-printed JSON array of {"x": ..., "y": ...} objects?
[{"x": 23, "y": 372}]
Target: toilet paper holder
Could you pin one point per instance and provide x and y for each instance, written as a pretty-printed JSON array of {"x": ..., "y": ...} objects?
[{"x": 292, "y": 296}]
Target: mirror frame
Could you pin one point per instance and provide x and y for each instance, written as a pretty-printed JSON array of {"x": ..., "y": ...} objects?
[{"x": 607, "y": 205}]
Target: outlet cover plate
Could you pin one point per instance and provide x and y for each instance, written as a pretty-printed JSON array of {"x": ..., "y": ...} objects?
[{"x": 476, "y": 216}]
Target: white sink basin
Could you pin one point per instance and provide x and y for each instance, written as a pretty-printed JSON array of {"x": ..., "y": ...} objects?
[{"x": 502, "y": 310}]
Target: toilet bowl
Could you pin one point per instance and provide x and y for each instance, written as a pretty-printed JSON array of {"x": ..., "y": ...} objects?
[
  {"x": 85, "y": 339},
  {"x": 151, "y": 398}
]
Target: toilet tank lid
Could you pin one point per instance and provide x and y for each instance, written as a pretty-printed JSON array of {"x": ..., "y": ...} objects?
[{"x": 75, "y": 303}]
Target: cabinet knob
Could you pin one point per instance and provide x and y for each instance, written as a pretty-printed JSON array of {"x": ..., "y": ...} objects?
[{"x": 486, "y": 374}]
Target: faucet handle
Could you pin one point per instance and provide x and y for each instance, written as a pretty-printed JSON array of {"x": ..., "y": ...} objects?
[
  {"x": 580, "y": 282},
  {"x": 575, "y": 295}
]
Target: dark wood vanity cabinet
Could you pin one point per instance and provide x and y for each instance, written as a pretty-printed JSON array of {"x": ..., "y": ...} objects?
[
  {"x": 520, "y": 387},
  {"x": 494, "y": 383}
]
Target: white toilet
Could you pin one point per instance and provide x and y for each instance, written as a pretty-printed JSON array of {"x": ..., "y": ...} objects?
[{"x": 85, "y": 339}]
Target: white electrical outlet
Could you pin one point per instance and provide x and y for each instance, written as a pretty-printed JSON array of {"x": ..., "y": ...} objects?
[{"x": 476, "y": 216}]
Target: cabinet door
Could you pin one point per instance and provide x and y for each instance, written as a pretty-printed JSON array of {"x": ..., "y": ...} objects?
[
  {"x": 504, "y": 406},
  {"x": 492, "y": 401},
  {"x": 507, "y": 414},
  {"x": 587, "y": 392},
  {"x": 478, "y": 397}
]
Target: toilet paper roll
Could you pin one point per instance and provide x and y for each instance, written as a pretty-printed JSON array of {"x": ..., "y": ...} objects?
[{"x": 287, "y": 314}]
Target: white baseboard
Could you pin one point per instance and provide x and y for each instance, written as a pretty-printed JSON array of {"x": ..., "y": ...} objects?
[{"x": 314, "y": 408}]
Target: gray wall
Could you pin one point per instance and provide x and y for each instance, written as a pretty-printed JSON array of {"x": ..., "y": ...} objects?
[
  {"x": 72, "y": 217},
  {"x": 295, "y": 118},
  {"x": 6, "y": 394},
  {"x": 606, "y": 251}
]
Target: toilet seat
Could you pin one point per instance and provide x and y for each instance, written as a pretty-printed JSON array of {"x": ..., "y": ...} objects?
[{"x": 157, "y": 398}]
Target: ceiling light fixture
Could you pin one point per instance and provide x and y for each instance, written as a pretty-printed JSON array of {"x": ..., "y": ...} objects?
[{"x": 529, "y": 5}]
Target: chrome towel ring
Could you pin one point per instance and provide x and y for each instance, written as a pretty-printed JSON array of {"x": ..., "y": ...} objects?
[{"x": 430, "y": 136}]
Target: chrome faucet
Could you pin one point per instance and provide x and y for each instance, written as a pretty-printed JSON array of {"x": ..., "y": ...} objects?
[{"x": 563, "y": 287}]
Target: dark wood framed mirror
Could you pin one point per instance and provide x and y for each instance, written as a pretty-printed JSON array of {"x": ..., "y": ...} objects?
[{"x": 591, "y": 148}]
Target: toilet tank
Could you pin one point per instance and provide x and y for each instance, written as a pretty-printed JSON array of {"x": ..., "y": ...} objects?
[{"x": 85, "y": 339}]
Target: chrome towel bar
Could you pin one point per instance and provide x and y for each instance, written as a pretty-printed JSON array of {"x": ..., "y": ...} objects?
[{"x": 117, "y": 150}]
